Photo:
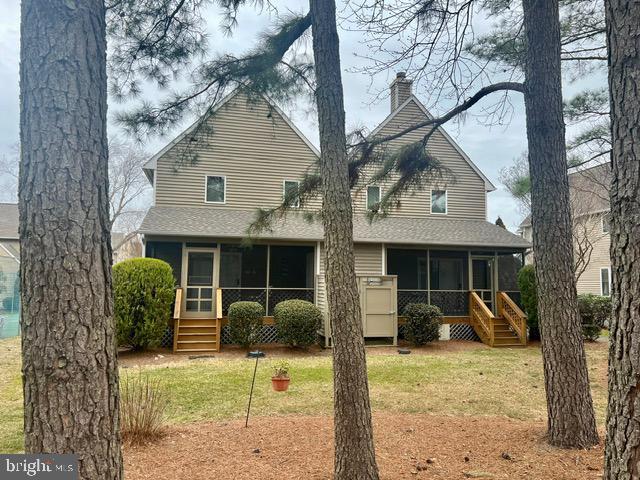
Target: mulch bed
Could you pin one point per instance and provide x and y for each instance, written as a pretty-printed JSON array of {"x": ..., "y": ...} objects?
[
  {"x": 407, "y": 446},
  {"x": 162, "y": 355}
]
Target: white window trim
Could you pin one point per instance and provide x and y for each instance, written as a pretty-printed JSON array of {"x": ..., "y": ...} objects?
[
  {"x": 366, "y": 199},
  {"x": 608, "y": 269},
  {"x": 206, "y": 178},
  {"x": 284, "y": 192},
  {"x": 604, "y": 215},
  {"x": 446, "y": 201}
]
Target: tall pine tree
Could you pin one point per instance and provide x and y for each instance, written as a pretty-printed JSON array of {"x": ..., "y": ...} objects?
[{"x": 69, "y": 368}]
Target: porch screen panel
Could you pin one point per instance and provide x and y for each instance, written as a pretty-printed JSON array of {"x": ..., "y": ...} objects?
[
  {"x": 509, "y": 264},
  {"x": 170, "y": 252},
  {"x": 242, "y": 267},
  {"x": 291, "y": 274},
  {"x": 243, "y": 274},
  {"x": 449, "y": 281},
  {"x": 411, "y": 268}
]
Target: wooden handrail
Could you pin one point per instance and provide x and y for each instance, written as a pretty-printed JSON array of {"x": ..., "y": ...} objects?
[
  {"x": 480, "y": 314},
  {"x": 508, "y": 309},
  {"x": 177, "y": 306},
  {"x": 218, "y": 303}
]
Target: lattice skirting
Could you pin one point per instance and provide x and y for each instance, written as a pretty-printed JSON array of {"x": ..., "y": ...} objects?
[
  {"x": 167, "y": 337},
  {"x": 268, "y": 334},
  {"x": 462, "y": 331},
  {"x": 458, "y": 331}
]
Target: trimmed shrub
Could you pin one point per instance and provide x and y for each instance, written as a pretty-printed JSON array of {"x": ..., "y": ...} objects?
[
  {"x": 142, "y": 409},
  {"x": 143, "y": 295},
  {"x": 297, "y": 322},
  {"x": 245, "y": 323},
  {"x": 423, "y": 323},
  {"x": 595, "y": 311},
  {"x": 528, "y": 292}
]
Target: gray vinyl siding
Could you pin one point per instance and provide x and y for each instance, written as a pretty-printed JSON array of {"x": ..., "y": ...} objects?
[
  {"x": 466, "y": 192},
  {"x": 368, "y": 259},
  {"x": 254, "y": 148},
  {"x": 251, "y": 145}
]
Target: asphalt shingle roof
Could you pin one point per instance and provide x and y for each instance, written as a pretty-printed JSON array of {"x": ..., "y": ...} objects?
[
  {"x": 228, "y": 223},
  {"x": 9, "y": 221}
]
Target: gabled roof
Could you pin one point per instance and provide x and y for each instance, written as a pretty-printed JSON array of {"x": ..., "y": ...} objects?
[
  {"x": 9, "y": 221},
  {"x": 490, "y": 187},
  {"x": 151, "y": 164},
  {"x": 228, "y": 223}
]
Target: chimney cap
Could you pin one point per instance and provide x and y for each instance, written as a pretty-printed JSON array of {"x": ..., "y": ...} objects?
[{"x": 401, "y": 75}]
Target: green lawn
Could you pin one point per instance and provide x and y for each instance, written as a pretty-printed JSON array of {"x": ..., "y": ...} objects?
[{"x": 478, "y": 381}]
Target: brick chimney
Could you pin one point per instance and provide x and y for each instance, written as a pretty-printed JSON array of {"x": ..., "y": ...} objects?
[{"x": 400, "y": 90}]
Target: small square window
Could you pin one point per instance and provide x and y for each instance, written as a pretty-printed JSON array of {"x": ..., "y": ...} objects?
[
  {"x": 373, "y": 197},
  {"x": 605, "y": 281},
  {"x": 439, "y": 201},
  {"x": 606, "y": 223},
  {"x": 215, "y": 189},
  {"x": 290, "y": 190}
]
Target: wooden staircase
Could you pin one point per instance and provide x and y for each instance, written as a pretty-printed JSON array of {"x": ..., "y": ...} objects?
[
  {"x": 194, "y": 335},
  {"x": 508, "y": 329}
]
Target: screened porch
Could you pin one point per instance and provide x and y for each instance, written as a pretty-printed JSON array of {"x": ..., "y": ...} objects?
[{"x": 444, "y": 278}]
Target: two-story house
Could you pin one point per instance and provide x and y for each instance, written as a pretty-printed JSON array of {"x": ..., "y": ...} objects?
[
  {"x": 436, "y": 247},
  {"x": 590, "y": 207}
]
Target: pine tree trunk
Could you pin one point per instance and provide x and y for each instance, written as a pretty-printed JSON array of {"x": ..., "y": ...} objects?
[
  {"x": 354, "y": 450},
  {"x": 70, "y": 376},
  {"x": 622, "y": 452},
  {"x": 571, "y": 419}
]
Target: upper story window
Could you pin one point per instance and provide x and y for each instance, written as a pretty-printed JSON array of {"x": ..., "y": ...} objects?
[
  {"x": 605, "y": 281},
  {"x": 373, "y": 197},
  {"x": 439, "y": 202},
  {"x": 290, "y": 189},
  {"x": 606, "y": 222},
  {"x": 215, "y": 189}
]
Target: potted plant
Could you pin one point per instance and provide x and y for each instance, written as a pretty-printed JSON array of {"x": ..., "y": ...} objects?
[{"x": 280, "y": 379}]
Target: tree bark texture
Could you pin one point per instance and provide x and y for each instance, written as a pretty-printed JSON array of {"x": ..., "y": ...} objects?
[
  {"x": 354, "y": 449},
  {"x": 622, "y": 451},
  {"x": 571, "y": 419},
  {"x": 70, "y": 376}
]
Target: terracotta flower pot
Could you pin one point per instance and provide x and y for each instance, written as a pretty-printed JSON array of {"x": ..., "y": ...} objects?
[{"x": 280, "y": 384}]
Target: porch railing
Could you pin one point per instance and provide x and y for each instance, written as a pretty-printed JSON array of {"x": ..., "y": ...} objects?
[
  {"x": 451, "y": 302},
  {"x": 508, "y": 310},
  {"x": 267, "y": 297},
  {"x": 482, "y": 318}
]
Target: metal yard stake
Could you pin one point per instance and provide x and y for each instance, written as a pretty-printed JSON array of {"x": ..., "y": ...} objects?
[{"x": 257, "y": 355}]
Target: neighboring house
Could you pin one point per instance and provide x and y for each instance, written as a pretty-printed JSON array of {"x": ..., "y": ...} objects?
[
  {"x": 436, "y": 247},
  {"x": 589, "y": 193},
  {"x": 125, "y": 246},
  {"x": 9, "y": 271}
]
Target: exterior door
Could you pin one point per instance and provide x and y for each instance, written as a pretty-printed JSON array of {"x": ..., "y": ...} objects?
[
  {"x": 379, "y": 306},
  {"x": 199, "y": 283},
  {"x": 482, "y": 276}
]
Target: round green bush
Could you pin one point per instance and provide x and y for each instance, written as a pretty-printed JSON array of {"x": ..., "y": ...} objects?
[
  {"x": 297, "y": 322},
  {"x": 245, "y": 323},
  {"x": 528, "y": 292},
  {"x": 422, "y": 323},
  {"x": 595, "y": 311},
  {"x": 143, "y": 295}
]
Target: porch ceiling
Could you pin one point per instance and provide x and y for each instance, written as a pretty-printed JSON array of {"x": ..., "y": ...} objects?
[{"x": 228, "y": 223}]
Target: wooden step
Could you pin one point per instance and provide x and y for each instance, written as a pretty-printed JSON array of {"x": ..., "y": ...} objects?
[
  {"x": 209, "y": 337},
  {"x": 198, "y": 329},
  {"x": 196, "y": 344},
  {"x": 207, "y": 322},
  {"x": 196, "y": 350}
]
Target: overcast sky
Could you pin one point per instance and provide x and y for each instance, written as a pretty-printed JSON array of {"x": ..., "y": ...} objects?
[{"x": 490, "y": 148}]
